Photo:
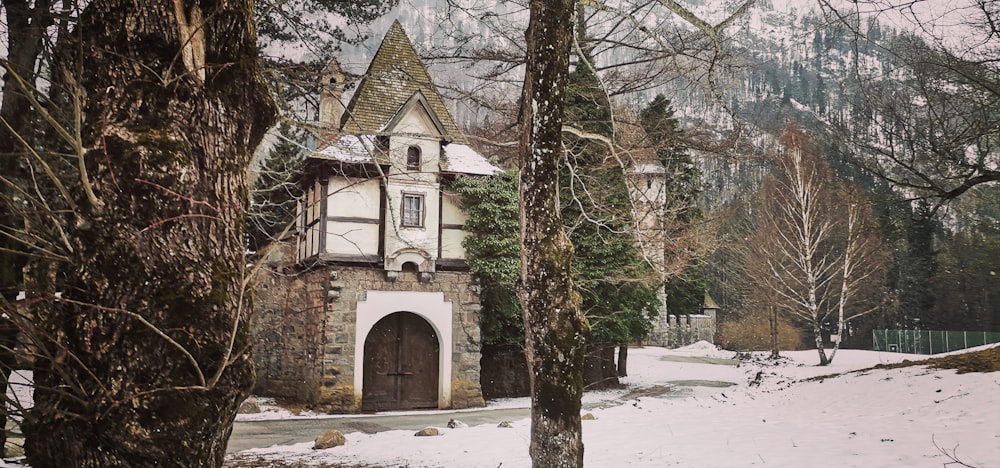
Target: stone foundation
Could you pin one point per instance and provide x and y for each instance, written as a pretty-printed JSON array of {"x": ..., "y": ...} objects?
[{"x": 305, "y": 323}]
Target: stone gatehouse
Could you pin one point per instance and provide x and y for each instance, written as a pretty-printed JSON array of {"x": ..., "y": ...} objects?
[
  {"x": 313, "y": 325},
  {"x": 370, "y": 304}
]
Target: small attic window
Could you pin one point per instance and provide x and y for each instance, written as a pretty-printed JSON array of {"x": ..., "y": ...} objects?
[
  {"x": 413, "y": 158},
  {"x": 382, "y": 143}
]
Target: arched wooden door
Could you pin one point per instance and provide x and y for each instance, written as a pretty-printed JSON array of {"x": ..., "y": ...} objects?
[{"x": 400, "y": 364}]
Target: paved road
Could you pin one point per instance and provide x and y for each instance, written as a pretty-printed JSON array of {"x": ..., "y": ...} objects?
[{"x": 251, "y": 434}]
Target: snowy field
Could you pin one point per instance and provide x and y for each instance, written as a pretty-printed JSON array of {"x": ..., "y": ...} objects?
[{"x": 776, "y": 415}]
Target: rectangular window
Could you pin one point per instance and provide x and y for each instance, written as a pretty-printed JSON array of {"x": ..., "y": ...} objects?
[{"x": 413, "y": 210}]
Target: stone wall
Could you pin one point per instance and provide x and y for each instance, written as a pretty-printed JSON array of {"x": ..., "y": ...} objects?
[
  {"x": 505, "y": 372},
  {"x": 304, "y": 329},
  {"x": 675, "y": 331},
  {"x": 288, "y": 339}
]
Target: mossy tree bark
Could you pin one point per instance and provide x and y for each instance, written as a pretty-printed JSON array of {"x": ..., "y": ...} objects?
[
  {"x": 555, "y": 327},
  {"x": 149, "y": 346}
]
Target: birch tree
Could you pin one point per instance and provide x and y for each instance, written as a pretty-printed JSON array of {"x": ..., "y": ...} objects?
[
  {"x": 863, "y": 259},
  {"x": 817, "y": 241},
  {"x": 554, "y": 325}
]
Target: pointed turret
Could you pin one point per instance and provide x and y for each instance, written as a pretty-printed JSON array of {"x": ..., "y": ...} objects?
[{"x": 394, "y": 76}]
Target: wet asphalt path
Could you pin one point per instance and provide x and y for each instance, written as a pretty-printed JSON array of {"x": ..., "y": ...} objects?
[{"x": 252, "y": 434}]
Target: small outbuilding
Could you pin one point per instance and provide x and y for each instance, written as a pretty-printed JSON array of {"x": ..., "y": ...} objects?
[{"x": 371, "y": 305}]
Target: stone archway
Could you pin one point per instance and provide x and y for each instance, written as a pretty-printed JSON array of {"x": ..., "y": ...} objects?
[
  {"x": 400, "y": 364},
  {"x": 428, "y": 314}
]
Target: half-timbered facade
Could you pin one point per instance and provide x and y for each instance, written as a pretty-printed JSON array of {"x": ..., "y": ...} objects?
[{"x": 372, "y": 307}]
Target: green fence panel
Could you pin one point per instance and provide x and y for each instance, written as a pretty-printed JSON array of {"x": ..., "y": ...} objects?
[{"x": 930, "y": 341}]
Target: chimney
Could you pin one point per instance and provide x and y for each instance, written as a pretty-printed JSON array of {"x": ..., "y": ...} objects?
[{"x": 330, "y": 107}]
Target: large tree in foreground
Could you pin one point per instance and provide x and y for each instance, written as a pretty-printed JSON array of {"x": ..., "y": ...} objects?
[
  {"x": 145, "y": 360},
  {"x": 555, "y": 327}
]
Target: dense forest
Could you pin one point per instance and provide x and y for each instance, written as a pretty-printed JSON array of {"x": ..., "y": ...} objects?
[{"x": 783, "y": 63}]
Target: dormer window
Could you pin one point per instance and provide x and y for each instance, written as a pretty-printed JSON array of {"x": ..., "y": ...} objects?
[{"x": 413, "y": 158}]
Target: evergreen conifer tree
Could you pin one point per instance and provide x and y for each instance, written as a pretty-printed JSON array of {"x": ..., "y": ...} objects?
[
  {"x": 274, "y": 192},
  {"x": 685, "y": 293},
  {"x": 615, "y": 283}
]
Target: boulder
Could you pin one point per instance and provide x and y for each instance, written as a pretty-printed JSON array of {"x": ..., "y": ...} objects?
[
  {"x": 329, "y": 439},
  {"x": 249, "y": 406},
  {"x": 427, "y": 431}
]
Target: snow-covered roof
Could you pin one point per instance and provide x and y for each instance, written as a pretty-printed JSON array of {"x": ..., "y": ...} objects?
[
  {"x": 361, "y": 149},
  {"x": 349, "y": 149},
  {"x": 464, "y": 159}
]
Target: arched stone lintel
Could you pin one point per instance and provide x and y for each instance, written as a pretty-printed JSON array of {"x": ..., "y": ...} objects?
[
  {"x": 425, "y": 263},
  {"x": 431, "y": 306}
]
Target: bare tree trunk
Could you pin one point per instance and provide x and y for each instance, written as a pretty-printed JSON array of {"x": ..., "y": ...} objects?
[
  {"x": 818, "y": 336},
  {"x": 26, "y": 24},
  {"x": 772, "y": 314},
  {"x": 862, "y": 262},
  {"x": 555, "y": 327},
  {"x": 149, "y": 345},
  {"x": 623, "y": 360}
]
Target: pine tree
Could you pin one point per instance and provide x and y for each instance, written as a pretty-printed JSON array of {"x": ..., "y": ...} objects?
[
  {"x": 274, "y": 192},
  {"x": 684, "y": 179},
  {"x": 615, "y": 283},
  {"x": 686, "y": 292}
]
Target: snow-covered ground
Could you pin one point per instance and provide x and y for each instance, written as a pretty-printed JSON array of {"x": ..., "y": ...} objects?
[{"x": 773, "y": 416}]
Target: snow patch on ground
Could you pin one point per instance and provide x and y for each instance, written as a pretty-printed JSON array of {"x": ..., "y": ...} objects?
[{"x": 788, "y": 412}]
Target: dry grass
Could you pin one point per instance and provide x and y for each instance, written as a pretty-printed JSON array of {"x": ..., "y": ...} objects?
[
  {"x": 293, "y": 406},
  {"x": 987, "y": 360},
  {"x": 753, "y": 332}
]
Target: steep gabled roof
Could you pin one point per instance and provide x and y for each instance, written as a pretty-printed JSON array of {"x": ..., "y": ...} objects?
[
  {"x": 395, "y": 74},
  {"x": 418, "y": 100}
]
